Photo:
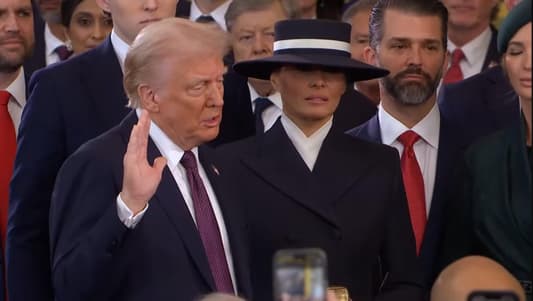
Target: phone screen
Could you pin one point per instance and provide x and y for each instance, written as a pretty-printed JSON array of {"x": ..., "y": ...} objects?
[
  {"x": 492, "y": 296},
  {"x": 300, "y": 275}
]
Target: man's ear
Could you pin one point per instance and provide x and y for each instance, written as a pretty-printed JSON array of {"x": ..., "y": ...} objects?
[
  {"x": 104, "y": 5},
  {"x": 370, "y": 56},
  {"x": 148, "y": 98},
  {"x": 274, "y": 80}
]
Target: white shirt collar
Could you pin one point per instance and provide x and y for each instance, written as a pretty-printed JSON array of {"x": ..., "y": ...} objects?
[
  {"x": 121, "y": 48},
  {"x": 51, "y": 41},
  {"x": 217, "y": 14},
  {"x": 475, "y": 50},
  {"x": 428, "y": 128},
  {"x": 274, "y": 98},
  {"x": 307, "y": 147},
  {"x": 17, "y": 88},
  {"x": 169, "y": 150}
]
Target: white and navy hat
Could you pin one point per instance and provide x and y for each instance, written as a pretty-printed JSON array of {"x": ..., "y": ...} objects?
[{"x": 321, "y": 43}]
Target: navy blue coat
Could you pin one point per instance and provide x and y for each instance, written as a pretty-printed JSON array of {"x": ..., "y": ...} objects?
[
  {"x": 95, "y": 257},
  {"x": 70, "y": 103},
  {"x": 451, "y": 147}
]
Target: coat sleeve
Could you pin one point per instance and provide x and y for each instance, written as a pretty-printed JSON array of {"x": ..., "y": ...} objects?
[{"x": 85, "y": 231}]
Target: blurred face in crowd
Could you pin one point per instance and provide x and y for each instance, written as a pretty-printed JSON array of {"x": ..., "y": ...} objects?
[
  {"x": 189, "y": 100},
  {"x": 359, "y": 36},
  {"x": 16, "y": 34},
  {"x": 129, "y": 17},
  {"x": 468, "y": 14},
  {"x": 252, "y": 33},
  {"x": 50, "y": 10},
  {"x": 310, "y": 94},
  {"x": 412, "y": 50},
  {"x": 88, "y": 26},
  {"x": 517, "y": 62}
]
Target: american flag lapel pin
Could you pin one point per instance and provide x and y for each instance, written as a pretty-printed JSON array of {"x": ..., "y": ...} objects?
[{"x": 215, "y": 170}]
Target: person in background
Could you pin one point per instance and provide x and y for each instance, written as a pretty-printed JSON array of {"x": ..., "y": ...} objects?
[
  {"x": 490, "y": 213},
  {"x": 358, "y": 15},
  {"x": 86, "y": 25},
  {"x": 474, "y": 273},
  {"x": 16, "y": 46},
  {"x": 69, "y": 103}
]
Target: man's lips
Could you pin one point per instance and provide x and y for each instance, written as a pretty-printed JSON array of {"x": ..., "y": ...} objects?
[
  {"x": 316, "y": 98},
  {"x": 213, "y": 121},
  {"x": 525, "y": 82},
  {"x": 11, "y": 42}
]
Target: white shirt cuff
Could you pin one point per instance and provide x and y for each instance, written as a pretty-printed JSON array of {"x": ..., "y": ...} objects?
[{"x": 126, "y": 216}]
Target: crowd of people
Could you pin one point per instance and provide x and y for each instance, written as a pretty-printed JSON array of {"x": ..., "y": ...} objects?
[{"x": 167, "y": 149}]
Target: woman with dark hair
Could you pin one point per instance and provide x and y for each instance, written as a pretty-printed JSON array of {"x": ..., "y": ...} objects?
[
  {"x": 86, "y": 24},
  {"x": 493, "y": 215}
]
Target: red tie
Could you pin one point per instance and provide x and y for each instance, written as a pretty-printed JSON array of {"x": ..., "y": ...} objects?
[
  {"x": 207, "y": 226},
  {"x": 414, "y": 186},
  {"x": 8, "y": 147},
  {"x": 454, "y": 73}
]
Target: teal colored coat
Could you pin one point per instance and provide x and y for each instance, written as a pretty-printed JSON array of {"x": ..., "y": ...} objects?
[{"x": 492, "y": 215}]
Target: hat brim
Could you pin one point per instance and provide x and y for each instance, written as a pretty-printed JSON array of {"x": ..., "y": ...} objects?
[{"x": 353, "y": 69}]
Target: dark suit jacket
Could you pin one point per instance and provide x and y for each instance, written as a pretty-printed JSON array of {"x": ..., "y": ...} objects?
[
  {"x": 352, "y": 206},
  {"x": 238, "y": 119},
  {"x": 451, "y": 146},
  {"x": 481, "y": 104},
  {"x": 70, "y": 103},
  {"x": 95, "y": 257},
  {"x": 38, "y": 58},
  {"x": 490, "y": 214},
  {"x": 183, "y": 9},
  {"x": 493, "y": 56}
]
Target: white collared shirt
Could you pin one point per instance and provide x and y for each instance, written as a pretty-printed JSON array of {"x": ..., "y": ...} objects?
[
  {"x": 173, "y": 153},
  {"x": 121, "y": 48},
  {"x": 217, "y": 14},
  {"x": 475, "y": 52},
  {"x": 307, "y": 147},
  {"x": 51, "y": 42},
  {"x": 16, "y": 103},
  {"x": 426, "y": 148},
  {"x": 270, "y": 114}
]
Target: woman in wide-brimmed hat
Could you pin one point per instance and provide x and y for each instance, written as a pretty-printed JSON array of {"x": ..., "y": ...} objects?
[{"x": 306, "y": 185}]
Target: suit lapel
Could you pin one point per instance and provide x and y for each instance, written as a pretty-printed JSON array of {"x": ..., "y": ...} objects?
[
  {"x": 103, "y": 81},
  {"x": 340, "y": 163},
  {"x": 277, "y": 162},
  {"x": 492, "y": 58},
  {"x": 169, "y": 197}
]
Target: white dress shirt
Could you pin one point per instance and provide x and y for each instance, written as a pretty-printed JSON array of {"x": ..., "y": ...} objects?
[
  {"x": 426, "y": 148},
  {"x": 51, "y": 43},
  {"x": 475, "y": 52},
  {"x": 173, "y": 153},
  {"x": 270, "y": 114},
  {"x": 217, "y": 14},
  {"x": 121, "y": 48},
  {"x": 307, "y": 147},
  {"x": 16, "y": 103}
]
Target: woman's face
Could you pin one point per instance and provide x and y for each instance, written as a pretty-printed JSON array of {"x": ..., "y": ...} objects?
[
  {"x": 517, "y": 62},
  {"x": 88, "y": 26}
]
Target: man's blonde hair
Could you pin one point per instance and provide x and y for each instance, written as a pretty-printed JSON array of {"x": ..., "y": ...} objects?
[{"x": 172, "y": 38}]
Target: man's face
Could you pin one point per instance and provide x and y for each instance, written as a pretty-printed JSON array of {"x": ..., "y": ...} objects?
[
  {"x": 252, "y": 34},
  {"x": 469, "y": 14},
  {"x": 50, "y": 10},
  {"x": 16, "y": 33},
  {"x": 359, "y": 36},
  {"x": 129, "y": 17},
  {"x": 189, "y": 93},
  {"x": 310, "y": 95},
  {"x": 412, "y": 50}
]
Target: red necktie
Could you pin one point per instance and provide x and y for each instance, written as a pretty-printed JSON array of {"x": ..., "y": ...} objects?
[
  {"x": 454, "y": 73},
  {"x": 63, "y": 52},
  {"x": 414, "y": 186},
  {"x": 207, "y": 226},
  {"x": 8, "y": 147}
]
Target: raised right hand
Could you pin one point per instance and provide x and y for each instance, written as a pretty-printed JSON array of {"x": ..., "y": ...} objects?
[{"x": 140, "y": 179}]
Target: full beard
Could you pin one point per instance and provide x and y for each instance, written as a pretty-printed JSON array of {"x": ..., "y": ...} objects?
[{"x": 411, "y": 93}]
